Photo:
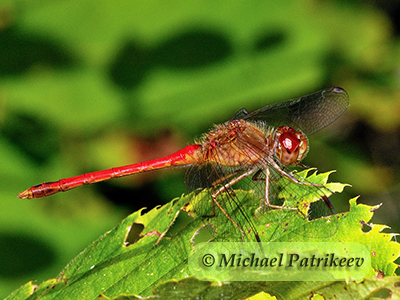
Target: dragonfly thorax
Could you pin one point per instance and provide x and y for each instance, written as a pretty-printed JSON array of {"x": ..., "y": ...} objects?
[
  {"x": 237, "y": 143},
  {"x": 291, "y": 145}
]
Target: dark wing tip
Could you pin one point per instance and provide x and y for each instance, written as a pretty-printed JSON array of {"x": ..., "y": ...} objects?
[
  {"x": 344, "y": 95},
  {"x": 338, "y": 90}
]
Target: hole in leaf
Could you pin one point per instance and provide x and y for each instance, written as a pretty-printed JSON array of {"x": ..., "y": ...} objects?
[
  {"x": 366, "y": 227},
  {"x": 380, "y": 274},
  {"x": 261, "y": 295},
  {"x": 382, "y": 294},
  {"x": 204, "y": 234},
  {"x": 181, "y": 221},
  {"x": 317, "y": 297},
  {"x": 134, "y": 234}
]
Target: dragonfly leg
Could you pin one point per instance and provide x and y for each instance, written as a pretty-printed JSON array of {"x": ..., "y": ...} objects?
[
  {"x": 224, "y": 188},
  {"x": 266, "y": 197},
  {"x": 288, "y": 175},
  {"x": 214, "y": 197},
  {"x": 213, "y": 209},
  {"x": 295, "y": 180},
  {"x": 267, "y": 179},
  {"x": 214, "y": 184}
]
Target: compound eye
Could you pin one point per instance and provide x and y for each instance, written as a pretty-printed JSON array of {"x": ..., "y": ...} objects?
[
  {"x": 289, "y": 144},
  {"x": 289, "y": 141}
]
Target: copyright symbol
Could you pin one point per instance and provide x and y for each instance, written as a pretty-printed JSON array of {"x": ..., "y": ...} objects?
[{"x": 208, "y": 260}]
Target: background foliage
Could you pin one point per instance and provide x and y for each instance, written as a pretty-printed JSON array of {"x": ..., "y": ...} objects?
[{"x": 87, "y": 85}]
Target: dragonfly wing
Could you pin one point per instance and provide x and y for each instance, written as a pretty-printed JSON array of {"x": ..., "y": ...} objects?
[
  {"x": 240, "y": 114},
  {"x": 309, "y": 113},
  {"x": 199, "y": 178},
  {"x": 209, "y": 175},
  {"x": 214, "y": 176}
]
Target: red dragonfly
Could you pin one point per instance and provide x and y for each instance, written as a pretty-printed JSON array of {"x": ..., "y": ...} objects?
[{"x": 260, "y": 144}]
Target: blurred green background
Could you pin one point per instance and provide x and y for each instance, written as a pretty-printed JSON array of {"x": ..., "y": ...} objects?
[{"x": 89, "y": 85}]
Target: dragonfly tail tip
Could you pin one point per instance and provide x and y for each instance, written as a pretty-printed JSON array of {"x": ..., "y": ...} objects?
[{"x": 24, "y": 195}]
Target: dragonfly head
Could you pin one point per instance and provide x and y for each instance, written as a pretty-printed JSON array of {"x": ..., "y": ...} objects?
[{"x": 291, "y": 145}]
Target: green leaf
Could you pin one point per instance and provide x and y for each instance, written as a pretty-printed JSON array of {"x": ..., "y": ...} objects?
[
  {"x": 191, "y": 288},
  {"x": 147, "y": 254}
]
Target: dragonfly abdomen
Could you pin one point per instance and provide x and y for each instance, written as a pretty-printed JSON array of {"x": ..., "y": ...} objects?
[{"x": 187, "y": 156}]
